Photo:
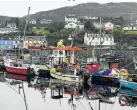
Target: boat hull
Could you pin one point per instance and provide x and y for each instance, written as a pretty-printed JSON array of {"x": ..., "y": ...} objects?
[
  {"x": 65, "y": 77},
  {"x": 129, "y": 85},
  {"x": 128, "y": 92},
  {"x": 20, "y": 71},
  {"x": 104, "y": 80}
]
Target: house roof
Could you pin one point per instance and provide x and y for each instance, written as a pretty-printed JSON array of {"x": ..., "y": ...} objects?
[
  {"x": 6, "y": 37},
  {"x": 98, "y": 35},
  {"x": 8, "y": 29},
  {"x": 11, "y": 24},
  {"x": 71, "y": 16},
  {"x": 39, "y": 38}
]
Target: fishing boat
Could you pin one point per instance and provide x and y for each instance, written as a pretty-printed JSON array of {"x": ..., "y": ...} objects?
[
  {"x": 127, "y": 97},
  {"x": 110, "y": 75},
  {"x": 127, "y": 84},
  {"x": 40, "y": 65},
  {"x": 63, "y": 63},
  {"x": 128, "y": 92},
  {"x": 17, "y": 77},
  {"x": 16, "y": 66}
]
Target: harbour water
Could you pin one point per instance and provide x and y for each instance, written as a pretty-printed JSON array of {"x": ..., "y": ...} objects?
[{"x": 38, "y": 97}]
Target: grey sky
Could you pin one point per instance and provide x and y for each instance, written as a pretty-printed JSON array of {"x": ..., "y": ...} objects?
[{"x": 19, "y": 8}]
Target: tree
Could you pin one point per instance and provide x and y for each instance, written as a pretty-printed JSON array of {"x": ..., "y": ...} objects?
[
  {"x": 118, "y": 35},
  {"x": 57, "y": 26},
  {"x": 89, "y": 26},
  {"x": 118, "y": 21}
]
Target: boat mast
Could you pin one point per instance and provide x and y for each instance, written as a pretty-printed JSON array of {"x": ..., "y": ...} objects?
[
  {"x": 25, "y": 100},
  {"x": 100, "y": 30},
  {"x": 25, "y": 27}
]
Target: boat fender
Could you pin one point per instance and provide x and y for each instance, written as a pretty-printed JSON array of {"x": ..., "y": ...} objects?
[{"x": 53, "y": 70}]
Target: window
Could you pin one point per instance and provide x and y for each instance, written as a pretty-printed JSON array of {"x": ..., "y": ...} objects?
[
  {"x": 61, "y": 52},
  {"x": 71, "y": 24},
  {"x": 110, "y": 39},
  {"x": 5, "y": 42}
]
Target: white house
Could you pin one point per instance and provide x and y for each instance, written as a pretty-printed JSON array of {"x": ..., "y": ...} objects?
[
  {"x": 91, "y": 18},
  {"x": 45, "y": 21},
  {"x": 96, "y": 39},
  {"x": 80, "y": 26},
  {"x": 72, "y": 25},
  {"x": 32, "y": 21},
  {"x": 8, "y": 30},
  {"x": 108, "y": 26},
  {"x": 129, "y": 28},
  {"x": 71, "y": 18},
  {"x": 11, "y": 25}
]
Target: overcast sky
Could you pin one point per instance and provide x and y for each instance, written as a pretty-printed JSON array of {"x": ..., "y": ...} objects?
[{"x": 19, "y": 8}]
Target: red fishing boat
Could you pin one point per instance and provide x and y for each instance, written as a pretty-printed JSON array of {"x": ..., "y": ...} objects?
[
  {"x": 17, "y": 77},
  {"x": 16, "y": 66}
]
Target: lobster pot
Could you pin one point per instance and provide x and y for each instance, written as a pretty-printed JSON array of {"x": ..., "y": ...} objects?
[{"x": 56, "y": 93}]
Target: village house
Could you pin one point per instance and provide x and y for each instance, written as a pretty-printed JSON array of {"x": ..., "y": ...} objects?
[
  {"x": 8, "y": 30},
  {"x": 98, "y": 25},
  {"x": 73, "y": 25},
  {"x": 17, "y": 41},
  {"x": 71, "y": 18},
  {"x": 96, "y": 39},
  {"x": 6, "y": 42},
  {"x": 108, "y": 26},
  {"x": 129, "y": 28},
  {"x": 32, "y": 40},
  {"x": 32, "y": 21},
  {"x": 91, "y": 18},
  {"x": 11, "y": 25},
  {"x": 45, "y": 21}
]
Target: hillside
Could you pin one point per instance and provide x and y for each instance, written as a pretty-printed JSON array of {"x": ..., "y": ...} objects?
[
  {"x": 3, "y": 19},
  {"x": 91, "y": 9},
  {"x": 85, "y": 9}
]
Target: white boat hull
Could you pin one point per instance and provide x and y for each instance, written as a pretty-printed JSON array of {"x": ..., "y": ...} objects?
[{"x": 70, "y": 78}]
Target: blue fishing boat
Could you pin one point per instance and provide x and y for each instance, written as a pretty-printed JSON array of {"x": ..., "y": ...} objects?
[
  {"x": 128, "y": 92},
  {"x": 127, "y": 84}
]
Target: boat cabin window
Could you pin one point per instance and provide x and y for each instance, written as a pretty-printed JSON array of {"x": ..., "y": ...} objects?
[
  {"x": 61, "y": 52},
  {"x": 55, "y": 52}
]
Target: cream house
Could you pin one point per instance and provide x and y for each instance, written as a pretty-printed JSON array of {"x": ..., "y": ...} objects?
[{"x": 108, "y": 26}]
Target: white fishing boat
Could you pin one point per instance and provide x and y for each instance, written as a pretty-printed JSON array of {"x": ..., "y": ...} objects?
[{"x": 63, "y": 63}]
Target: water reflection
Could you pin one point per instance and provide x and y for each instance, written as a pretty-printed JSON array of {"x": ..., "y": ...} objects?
[{"x": 34, "y": 93}]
